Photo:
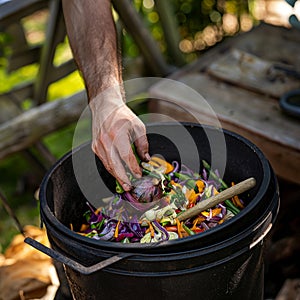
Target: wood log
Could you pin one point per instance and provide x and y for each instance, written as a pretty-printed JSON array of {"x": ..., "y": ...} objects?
[{"x": 27, "y": 128}]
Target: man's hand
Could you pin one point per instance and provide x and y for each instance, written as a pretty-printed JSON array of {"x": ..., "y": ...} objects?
[{"x": 115, "y": 127}]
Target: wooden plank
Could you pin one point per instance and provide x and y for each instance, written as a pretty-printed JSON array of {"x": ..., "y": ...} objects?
[
  {"x": 61, "y": 71},
  {"x": 13, "y": 11},
  {"x": 19, "y": 93},
  {"x": 55, "y": 31},
  {"x": 254, "y": 73},
  {"x": 260, "y": 114},
  {"x": 249, "y": 114},
  {"x": 24, "y": 58}
]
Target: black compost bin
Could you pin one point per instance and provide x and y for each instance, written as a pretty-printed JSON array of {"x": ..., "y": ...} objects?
[{"x": 225, "y": 262}]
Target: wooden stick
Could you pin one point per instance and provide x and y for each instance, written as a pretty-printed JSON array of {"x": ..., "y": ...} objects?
[{"x": 234, "y": 190}]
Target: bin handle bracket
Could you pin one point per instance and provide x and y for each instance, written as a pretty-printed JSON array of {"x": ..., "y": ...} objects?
[{"x": 73, "y": 264}]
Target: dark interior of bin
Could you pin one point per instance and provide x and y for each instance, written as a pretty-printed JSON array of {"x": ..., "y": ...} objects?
[{"x": 68, "y": 202}]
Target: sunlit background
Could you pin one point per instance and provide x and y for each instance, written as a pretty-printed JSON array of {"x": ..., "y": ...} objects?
[{"x": 201, "y": 25}]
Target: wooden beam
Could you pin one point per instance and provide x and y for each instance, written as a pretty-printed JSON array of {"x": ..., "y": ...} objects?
[
  {"x": 54, "y": 33},
  {"x": 34, "y": 124},
  {"x": 15, "y": 10},
  {"x": 170, "y": 27},
  {"x": 142, "y": 37}
]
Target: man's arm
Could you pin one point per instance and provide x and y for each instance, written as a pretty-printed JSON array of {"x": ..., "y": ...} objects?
[{"x": 92, "y": 35}]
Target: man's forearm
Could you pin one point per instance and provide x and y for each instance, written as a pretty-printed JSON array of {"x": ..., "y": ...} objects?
[{"x": 92, "y": 35}]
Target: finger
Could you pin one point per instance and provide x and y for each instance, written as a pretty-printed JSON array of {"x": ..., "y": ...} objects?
[
  {"x": 112, "y": 163},
  {"x": 119, "y": 172},
  {"x": 140, "y": 140},
  {"x": 142, "y": 148},
  {"x": 127, "y": 155}
]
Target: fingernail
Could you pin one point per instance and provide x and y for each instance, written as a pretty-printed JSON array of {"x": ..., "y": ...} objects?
[
  {"x": 147, "y": 156},
  {"x": 126, "y": 187}
]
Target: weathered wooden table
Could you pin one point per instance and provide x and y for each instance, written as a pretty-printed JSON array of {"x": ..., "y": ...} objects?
[{"x": 239, "y": 84}]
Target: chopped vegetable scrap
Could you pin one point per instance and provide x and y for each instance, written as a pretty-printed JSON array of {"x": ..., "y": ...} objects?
[{"x": 158, "y": 198}]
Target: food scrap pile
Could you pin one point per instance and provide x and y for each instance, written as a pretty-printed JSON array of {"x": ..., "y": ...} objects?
[{"x": 158, "y": 198}]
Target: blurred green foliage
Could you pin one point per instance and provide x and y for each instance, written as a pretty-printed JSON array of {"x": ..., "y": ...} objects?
[{"x": 193, "y": 17}]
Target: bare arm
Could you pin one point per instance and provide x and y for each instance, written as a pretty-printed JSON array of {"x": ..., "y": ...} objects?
[{"x": 92, "y": 36}]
